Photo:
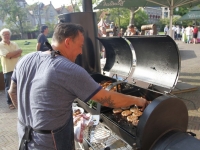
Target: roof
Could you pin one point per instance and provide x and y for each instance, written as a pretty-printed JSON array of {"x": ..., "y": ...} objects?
[
  {"x": 59, "y": 9},
  {"x": 20, "y": 1}
]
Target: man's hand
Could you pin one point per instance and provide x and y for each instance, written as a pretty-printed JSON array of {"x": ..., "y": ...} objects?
[
  {"x": 13, "y": 93},
  {"x": 143, "y": 103}
]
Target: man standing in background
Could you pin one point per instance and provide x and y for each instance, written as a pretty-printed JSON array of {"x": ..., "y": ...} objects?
[
  {"x": 195, "y": 34},
  {"x": 188, "y": 32},
  {"x": 9, "y": 54},
  {"x": 42, "y": 39},
  {"x": 166, "y": 30},
  {"x": 178, "y": 31}
]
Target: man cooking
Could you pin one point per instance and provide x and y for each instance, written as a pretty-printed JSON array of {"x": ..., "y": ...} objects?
[{"x": 44, "y": 86}]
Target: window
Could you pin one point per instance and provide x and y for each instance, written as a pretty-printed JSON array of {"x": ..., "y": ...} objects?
[
  {"x": 51, "y": 14},
  {"x": 165, "y": 14}
]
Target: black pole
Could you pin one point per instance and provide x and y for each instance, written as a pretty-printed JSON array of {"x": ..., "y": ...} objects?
[{"x": 87, "y": 5}]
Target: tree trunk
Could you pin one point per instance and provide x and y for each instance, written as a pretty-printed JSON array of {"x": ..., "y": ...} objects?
[
  {"x": 132, "y": 14},
  {"x": 73, "y": 5},
  {"x": 133, "y": 10},
  {"x": 21, "y": 29},
  {"x": 118, "y": 17}
]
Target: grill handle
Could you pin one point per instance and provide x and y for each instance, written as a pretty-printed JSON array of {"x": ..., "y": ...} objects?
[{"x": 192, "y": 134}]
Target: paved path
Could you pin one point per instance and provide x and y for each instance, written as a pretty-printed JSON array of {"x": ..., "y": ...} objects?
[{"x": 189, "y": 73}]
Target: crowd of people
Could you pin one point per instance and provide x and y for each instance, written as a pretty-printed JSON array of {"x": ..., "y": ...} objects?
[
  {"x": 187, "y": 34},
  {"x": 113, "y": 30},
  {"x": 109, "y": 30}
]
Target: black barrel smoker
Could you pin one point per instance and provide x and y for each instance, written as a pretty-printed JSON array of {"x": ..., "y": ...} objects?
[{"x": 163, "y": 125}]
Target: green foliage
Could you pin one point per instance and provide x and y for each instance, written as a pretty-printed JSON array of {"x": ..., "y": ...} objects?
[
  {"x": 118, "y": 15},
  {"x": 13, "y": 14},
  {"x": 141, "y": 18},
  {"x": 51, "y": 27},
  {"x": 181, "y": 11},
  {"x": 121, "y": 17}
]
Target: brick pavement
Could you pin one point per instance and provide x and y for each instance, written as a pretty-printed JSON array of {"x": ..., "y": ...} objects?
[{"x": 189, "y": 73}]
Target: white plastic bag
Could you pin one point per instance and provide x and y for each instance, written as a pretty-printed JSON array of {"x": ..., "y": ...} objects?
[{"x": 81, "y": 122}]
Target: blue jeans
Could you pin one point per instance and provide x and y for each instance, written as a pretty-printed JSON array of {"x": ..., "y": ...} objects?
[
  {"x": 7, "y": 81},
  {"x": 188, "y": 38}
]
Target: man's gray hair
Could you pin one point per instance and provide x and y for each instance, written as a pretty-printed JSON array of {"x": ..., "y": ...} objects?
[{"x": 5, "y": 30}]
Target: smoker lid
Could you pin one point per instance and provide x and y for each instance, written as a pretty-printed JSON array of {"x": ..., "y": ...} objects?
[
  {"x": 158, "y": 120},
  {"x": 157, "y": 59},
  {"x": 119, "y": 58}
]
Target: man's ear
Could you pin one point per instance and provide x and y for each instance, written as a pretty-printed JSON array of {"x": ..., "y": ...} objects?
[{"x": 67, "y": 42}]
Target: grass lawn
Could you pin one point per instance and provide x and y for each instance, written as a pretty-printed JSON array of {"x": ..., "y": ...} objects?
[{"x": 28, "y": 48}]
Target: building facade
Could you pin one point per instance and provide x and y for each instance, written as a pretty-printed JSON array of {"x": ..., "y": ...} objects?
[
  {"x": 165, "y": 12},
  {"x": 154, "y": 13},
  {"x": 39, "y": 14}
]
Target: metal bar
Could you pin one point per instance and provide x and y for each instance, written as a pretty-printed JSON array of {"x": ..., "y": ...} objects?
[{"x": 87, "y": 5}]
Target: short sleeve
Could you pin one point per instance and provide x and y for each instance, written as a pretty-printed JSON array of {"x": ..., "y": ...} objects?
[
  {"x": 14, "y": 77},
  {"x": 41, "y": 38},
  {"x": 84, "y": 85},
  {"x": 77, "y": 81},
  {"x": 3, "y": 51}
]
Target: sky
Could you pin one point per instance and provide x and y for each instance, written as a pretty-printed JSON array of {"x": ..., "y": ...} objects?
[{"x": 55, "y": 3}]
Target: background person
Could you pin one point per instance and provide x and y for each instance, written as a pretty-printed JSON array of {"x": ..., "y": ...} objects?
[
  {"x": 44, "y": 87},
  {"x": 9, "y": 54},
  {"x": 188, "y": 32},
  {"x": 183, "y": 34},
  {"x": 121, "y": 32},
  {"x": 166, "y": 30},
  {"x": 132, "y": 31},
  {"x": 41, "y": 39},
  {"x": 178, "y": 32},
  {"x": 195, "y": 33}
]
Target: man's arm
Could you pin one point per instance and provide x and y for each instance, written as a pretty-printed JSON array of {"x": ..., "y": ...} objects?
[
  {"x": 117, "y": 100},
  {"x": 38, "y": 46},
  {"x": 13, "y": 54},
  {"x": 16, "y": 56},
  {"x": 13, "y": 93}
]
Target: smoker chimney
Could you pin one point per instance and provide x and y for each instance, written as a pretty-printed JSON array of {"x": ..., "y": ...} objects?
[{"x": 87, "y": 5}]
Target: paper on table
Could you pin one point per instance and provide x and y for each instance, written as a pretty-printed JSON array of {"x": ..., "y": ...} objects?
[{"x": 95, "y": 119}]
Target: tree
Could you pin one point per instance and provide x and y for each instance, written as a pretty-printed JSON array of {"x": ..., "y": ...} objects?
[
  {"x": 181, "y": 11},
  {"x": 133, "y": 10},
  {"x": 119, "y": 16},
  {"x": 175, "y": 21},
  {"x": 13, "y": 14},
  {"x": 51, "y": 27},
  {"x": 141, "y": 18}
]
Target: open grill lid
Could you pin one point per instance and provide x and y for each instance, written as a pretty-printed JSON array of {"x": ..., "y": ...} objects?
[
  {"x": 157, "y": 58},
  {"x": 119, "y": 58}
]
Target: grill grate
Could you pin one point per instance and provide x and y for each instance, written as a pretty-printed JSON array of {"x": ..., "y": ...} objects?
[{"x": 99, "y": 137}]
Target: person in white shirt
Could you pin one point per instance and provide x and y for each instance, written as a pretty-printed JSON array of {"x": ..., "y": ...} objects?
[
  {"x": 183, "y": 34},
  {"x": 166, "y": 30},
  {"x": 188, "y": 32},
  {"x": 178, "y": 31}
]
